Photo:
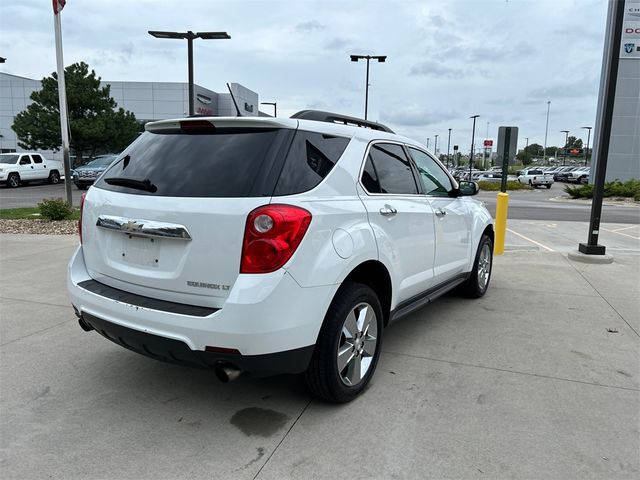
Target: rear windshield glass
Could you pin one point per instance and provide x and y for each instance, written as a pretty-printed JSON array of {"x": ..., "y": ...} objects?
[
  {"x": 310, "y": 159},
  {"x": 227, "y": 163}
]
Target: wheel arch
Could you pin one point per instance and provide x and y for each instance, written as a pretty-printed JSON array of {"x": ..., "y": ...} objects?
[{"x": 375, "y": 275}]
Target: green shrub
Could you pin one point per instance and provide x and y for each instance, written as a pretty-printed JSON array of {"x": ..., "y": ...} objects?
[
  {"x": 55, "y": 209},
  {"x": 630, "y": 188},
  {"x": 495, "y": 186}
]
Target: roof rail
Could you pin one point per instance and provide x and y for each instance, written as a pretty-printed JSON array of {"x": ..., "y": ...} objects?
[{"x": 320, "y": 116}]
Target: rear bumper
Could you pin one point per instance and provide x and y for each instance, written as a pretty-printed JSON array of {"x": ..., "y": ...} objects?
[
  {"x": 268, "y": 314},
  {"x": 174, "y": 351}
]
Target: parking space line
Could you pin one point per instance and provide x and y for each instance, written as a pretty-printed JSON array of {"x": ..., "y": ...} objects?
[
  {"x": 530, "y": 240},
  {"x": 620, "y": 233},
  {"x": 624, "y": 228}
]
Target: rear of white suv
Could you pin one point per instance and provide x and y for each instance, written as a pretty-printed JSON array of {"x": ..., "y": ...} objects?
[{"x": 248, "y": 245}]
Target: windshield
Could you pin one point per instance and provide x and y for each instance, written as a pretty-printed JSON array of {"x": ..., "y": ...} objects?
[
  {"x": 9, "y": 158},
  {"x": 102, "y": 161}
]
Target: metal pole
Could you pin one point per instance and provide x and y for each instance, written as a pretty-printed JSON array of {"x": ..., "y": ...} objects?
[
  {"x": 190, "y": 37},
  {"x": 546, "y": 130},
  {"x": 587, "y": 150},
  {"x": 473, "y": 138},
  {"x": 428, "y": 141},
  {"x": 435, "y": 146},
  {"x": 366, "y": 91},
  {"x": 448, "y": 145},
  {"x": 62, "y": 100},
  {"x": 526, "y": 153},
  {"x": 275, "y": 109},
  {"x": 602, "y": 136}
]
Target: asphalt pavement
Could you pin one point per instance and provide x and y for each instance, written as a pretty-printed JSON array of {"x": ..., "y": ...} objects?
[{"x": 538, "y": 379}]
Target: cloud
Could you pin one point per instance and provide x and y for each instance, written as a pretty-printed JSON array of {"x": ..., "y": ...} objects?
[
  {"x": 431, "y": 69},
  {"x": 338, "y": 43},
  {"x": 310, "y": 26},
  {"x": 584, "y": 87},
  {"x": 417, "y": 116}
]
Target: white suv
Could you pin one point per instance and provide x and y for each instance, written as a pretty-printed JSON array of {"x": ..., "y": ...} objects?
[{"x": 273, "y": 245}]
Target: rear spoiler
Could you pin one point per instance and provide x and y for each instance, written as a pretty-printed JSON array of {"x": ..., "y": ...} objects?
[{"x": 178, "y": 125}]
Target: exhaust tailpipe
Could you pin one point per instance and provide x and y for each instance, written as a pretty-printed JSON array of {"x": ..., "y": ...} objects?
[{"x": 227, "y": 373}]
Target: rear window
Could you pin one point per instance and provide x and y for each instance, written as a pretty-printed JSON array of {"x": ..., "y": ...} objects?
[{"x": 227, "y": 163}]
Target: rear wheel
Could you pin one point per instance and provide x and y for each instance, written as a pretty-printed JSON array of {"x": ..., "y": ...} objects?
[
  {"x": 548, "y": 186},
  {"x": 13, "y": 180},
  {"x": 348, "y": 346},
  {"x": 478, "y": 282},
  {"x": 54, "y": 177}
]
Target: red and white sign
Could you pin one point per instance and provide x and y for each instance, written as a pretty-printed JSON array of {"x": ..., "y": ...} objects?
[
  {"x": 488, "y": 143},
  {"x": 58, "y": 5}
]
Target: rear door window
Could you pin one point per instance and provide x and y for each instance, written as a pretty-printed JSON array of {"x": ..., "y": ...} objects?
[
  {"x": 390, "y": 168},
  {"x": 36, "y": 158},
  {"x": 228, "y": 163}
]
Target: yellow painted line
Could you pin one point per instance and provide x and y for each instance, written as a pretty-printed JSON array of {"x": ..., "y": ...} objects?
[
  {"x": 620, "y": 233},
  {"x": 530, "y": 240}
]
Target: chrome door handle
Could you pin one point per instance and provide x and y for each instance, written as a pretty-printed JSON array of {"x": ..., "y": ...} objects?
[
  {"x": 388, "y": 211},
  {"x": 440, "y": 213}
]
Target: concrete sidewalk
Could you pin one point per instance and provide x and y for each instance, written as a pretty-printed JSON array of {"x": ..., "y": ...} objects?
[{"x": 538, "y": 379}]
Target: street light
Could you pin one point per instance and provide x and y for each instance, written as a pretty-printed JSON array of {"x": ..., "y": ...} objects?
[
  {"x": 190, "y": 36},
  {"x": 566, "y": 141},
  {"x": 275, "y": 107},
  {"x": 586, "y": 152},
  {"x": 381, "y": 59},
  {"x": 526, "y": 155},
  {"x": 544, "y": 154},
  {"x": 473, "y": 139},
  {"x": 448, "y": 145},
  {"x": 435, "y": 146}
]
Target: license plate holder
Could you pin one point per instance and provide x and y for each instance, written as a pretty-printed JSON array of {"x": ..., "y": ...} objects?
[{"x": 139, "y": 250}]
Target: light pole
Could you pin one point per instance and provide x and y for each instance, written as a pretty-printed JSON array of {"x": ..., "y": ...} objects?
[
  {"x": 546, "y": 130},
  {"x": 473, "y": 139},
  {"x": 586, "y": 152},
  {"x": 381, "y": 59},
  {"x": 566, "y": 141},
  {"x": 435, "y": 146},
  {"x": 190, "y": 36},
  {"x": 428, "y": 141},
  {"x": 526, "y": 154},
  {"x": 275, "y": 107},
  {"x": 448, "y": 145}
]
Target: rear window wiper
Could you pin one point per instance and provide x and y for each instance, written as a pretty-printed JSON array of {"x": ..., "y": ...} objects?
[{"x": 132, "y": 183}]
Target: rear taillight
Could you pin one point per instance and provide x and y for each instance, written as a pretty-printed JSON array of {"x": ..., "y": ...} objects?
[
  {"x": 271, "y": 236},
  {"x": 80, "y": 220}
]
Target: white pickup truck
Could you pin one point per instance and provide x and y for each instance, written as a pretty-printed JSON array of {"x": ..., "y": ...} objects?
[
  {"x": 535, "y": 177},
  {"x": 17, "y": 168}
]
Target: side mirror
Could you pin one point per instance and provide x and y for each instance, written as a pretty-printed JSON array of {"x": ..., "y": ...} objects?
[{"x": 468, "y": 188}]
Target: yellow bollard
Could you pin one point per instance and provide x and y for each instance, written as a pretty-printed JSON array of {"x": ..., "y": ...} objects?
[{"x": 502, "y": 206}]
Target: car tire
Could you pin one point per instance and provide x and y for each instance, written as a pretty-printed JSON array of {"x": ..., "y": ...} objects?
[
  {"x": 548, "y": 186},
  {"x": 13, "y": 180},
  {"x": 54, "y": 178},
  {"x": 346, "y": 340},
  {"x": 478, "y": 282},
  {"x": 81, "y": 187}
]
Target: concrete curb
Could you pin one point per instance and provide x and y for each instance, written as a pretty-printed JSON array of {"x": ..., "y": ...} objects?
[
  {"x": 594, "y": 259},
  {"x": 609, "y": 203}
]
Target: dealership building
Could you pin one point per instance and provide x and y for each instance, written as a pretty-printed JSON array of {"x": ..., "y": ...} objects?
[{"x": 148, "y": 101}]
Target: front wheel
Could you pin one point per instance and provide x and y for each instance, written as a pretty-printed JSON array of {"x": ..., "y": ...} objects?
[
  {"x": 548, "y": 186},
  {"x": 478, "y": 282},
  {"x": 348, "y": 346}
]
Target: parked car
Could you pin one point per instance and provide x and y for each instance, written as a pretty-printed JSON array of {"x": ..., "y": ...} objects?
[
  {"x": 272, "y": 245},
  {"x": 25, "y": 167},
  {"x": 535, "y": 178},
  {"x": 562, "y": 176},
  {"x": 85, "y": 175},
  {"x": 579, "y": 175}
]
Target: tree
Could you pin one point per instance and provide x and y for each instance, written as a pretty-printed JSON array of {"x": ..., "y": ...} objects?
[
  {"x": 574, "y": 142},
  {"x": 94, "y": 122},
  {"x": 530, "y": 152}
]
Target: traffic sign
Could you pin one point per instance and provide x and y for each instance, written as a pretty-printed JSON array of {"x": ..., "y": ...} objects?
[{"x": 488, "y": 143}]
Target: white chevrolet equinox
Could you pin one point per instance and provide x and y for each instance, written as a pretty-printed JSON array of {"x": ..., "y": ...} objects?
[{"x": 273, "y": 246}]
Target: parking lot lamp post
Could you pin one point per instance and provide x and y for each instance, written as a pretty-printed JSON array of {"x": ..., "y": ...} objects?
[
  {"x": 275, "y": 107},
  {"x": 546, "y": 130},
  {"x": 473, "y": 139},
  {"x": 586, "y": 152},
  {"x": 448, "y": 145},
  {"x": 190, "y": 36},
  {"x": 428, "y": 142},
  {"x": 435, "y": 146},
  {"x": 381, "y": 59},
  {"x": 566, "y": 141},
  {"x": 526, "y": 154}
]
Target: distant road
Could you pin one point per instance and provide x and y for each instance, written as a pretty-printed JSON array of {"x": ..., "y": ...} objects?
[{"x": 523, "y": 205}]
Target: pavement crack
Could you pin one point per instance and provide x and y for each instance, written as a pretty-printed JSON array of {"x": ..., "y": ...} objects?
[
  {"x": 283, "y": 438},
  {"x": 517, "y": 372},
  {"x": 35, "y": 333},
  {"x": 603, "y": 298},
  {"x": 34, "y": 301}
]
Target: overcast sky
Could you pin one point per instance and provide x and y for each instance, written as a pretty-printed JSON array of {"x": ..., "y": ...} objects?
[{"x": 447, "y": 59}]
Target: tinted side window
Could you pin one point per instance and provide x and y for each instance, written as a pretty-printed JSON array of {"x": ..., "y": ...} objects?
[
  {"x": 393, "y": 169},
  {"x": 310, "y": 159},
  {"x": 228, "y": 163},
  {"x": 36, "y": 158},
  {"x": 370, "y": 177},
  {"x": 435, "y": 180}
]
